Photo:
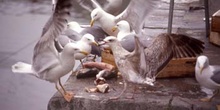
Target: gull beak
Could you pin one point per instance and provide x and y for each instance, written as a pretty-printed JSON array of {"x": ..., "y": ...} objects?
[
  {"x": 92, "y": 22},
  {"x": 114, "y": 28},
  {"x": 83, "y": 52},
  {"x": 95, "y": 43},
  {"x": 101, "y": 43},
  {"x": 201, "y": 69}
]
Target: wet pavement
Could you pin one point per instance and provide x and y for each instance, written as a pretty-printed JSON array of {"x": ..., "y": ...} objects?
[{"x": 21, "y": 26}]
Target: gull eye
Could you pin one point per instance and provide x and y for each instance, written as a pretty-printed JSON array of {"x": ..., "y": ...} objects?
[
  {"x": 95, "y": 15},
  {"x": 111, "y": 40}
]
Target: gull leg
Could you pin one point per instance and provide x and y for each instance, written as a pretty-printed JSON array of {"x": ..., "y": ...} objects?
[
  {"x": 53, "y": 5},
  {"x": 58, "y": 89},
  {"x": 124, "y": 89},
  {"x": 82, "y": 64},
  {"x": 207, "y": 99},
  {"x": 67, "y": 95},
  {"x": 94, "y": 58},
  {"x": 135, "y": 88},
  {"x": 216, "y": 93}
]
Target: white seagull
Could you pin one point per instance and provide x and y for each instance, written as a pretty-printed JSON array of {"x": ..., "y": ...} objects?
[
  {"x": 143, "y": 64},
  {"x": 47, "y": 63},
  {"x": 135, "y": 14},
  {"x": 124, "y": 29},
  {"x": 207, "y": 75},
  {"x": 85, "y": 44}
]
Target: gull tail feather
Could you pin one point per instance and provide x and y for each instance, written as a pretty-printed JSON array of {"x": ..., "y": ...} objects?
[{"x": 24, "y": 68}]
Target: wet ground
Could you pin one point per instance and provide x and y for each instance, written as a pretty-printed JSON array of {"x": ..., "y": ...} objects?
[{"x": 21, "y": 24}]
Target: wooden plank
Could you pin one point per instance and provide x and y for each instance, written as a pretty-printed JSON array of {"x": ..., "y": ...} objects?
[
  {"x": 215, "y": 22},
  {"x": 214, "y": 38}
]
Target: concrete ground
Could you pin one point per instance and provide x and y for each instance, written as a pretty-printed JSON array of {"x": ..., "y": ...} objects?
[{"x": 21, "y": 26}]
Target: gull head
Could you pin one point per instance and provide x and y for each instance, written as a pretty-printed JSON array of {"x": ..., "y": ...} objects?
[
  {"x": 110, "y": 40},
  {"x": 202, "y": 62},
  {"x": 72, "y": 48},
  {"x": 122, "y": 26},
  {"x": 73, "y": 25},
  {"x": 95, "y": 15},
  {"x": 89, "y": 38}
]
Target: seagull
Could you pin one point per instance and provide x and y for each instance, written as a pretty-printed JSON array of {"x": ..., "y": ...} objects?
[
  {"x": 85, "y": 44},
  {"x": 124, "y": 29},
  {"x": 47, "y": 63},
  {"x": 126, "y": 36},
  {"x": 144, "y": 63},
  {"x": 75, "y": 26},
  {"x": 91, "y": 35},
  {"x": 135, "y": 14},
  {"x": 207, "y": 75}
]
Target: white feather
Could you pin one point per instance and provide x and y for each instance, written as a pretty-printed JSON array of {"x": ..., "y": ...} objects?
[{"x": 21, "y": 67}]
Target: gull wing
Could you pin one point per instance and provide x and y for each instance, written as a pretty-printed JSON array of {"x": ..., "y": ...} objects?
[
  {"x": 149, "y": 61},
  {"x": 136, "y": 12},
  {"x": 89, "y": 4},
  {"x": 164, "y": 47},
  {"x": 216, "y": 74},
  {"x": 137, "y": 58},
  {"x": 45, "y": 53}
]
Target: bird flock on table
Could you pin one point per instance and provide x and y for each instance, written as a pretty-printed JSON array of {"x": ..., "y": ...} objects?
[{"x": 138, "y": 58}]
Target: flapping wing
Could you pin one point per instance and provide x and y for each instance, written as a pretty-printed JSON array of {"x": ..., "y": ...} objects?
[
  {"x": 136, "y": 13},
  {"x": 137, "y": 58},
  {"x": 114, "y": 6},
  {"x": 164, "y": 47},
  {"x": 185, "y": 46},
  {"x": 45, "y": 53},
  {"x": 110, "y": 6},
  {"x": 88, "y": 4}
]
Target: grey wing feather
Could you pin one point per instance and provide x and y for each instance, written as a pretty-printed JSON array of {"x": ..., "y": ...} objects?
[
  {"x": 136, "y": 13},
  {"x": 165, "y": 47},
  {"x": 45, "y": 52},
  {"x": 99, "y": 35},
  {"x": 72, "y": 34},
  {"x": 136, "y": 57},
  {"x": 58, "y": 46},
  {"x": 88, "y": 4},
  {"x": 128, "y": 42},
  {"x": 216, "y": 74},
  {"x": 158, "y": 54},
  {"x": 96, "y": 31},
  {"x": 114, "y": 6}
]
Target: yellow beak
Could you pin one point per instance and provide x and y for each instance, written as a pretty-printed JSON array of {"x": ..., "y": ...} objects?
[
  {"x": 114, "y": 28},
  {"x": 95, "y": 43},
  {"x": 92, "y": 22},
  {"x": 83, "y": 52},
  {"x": 201, "y": 69}
]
